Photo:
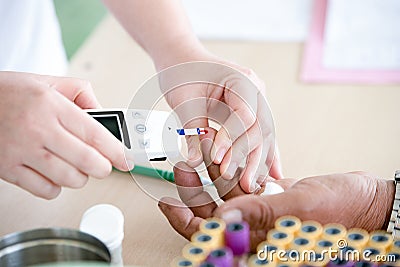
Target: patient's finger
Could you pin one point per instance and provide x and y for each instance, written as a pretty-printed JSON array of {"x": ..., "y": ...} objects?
[
  {"x": 179, "y": 216},
  {"x": 226, "y": 188},
  {"x": 191, "y": 191}
]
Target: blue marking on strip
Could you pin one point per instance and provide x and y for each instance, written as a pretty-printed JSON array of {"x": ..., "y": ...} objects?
[{"x": 180, "y": 131}]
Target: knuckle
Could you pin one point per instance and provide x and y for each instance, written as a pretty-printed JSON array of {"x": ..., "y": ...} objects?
[
  {"x": 248, "y": 116},
  {"x": 85, "y": 85},
  {"x": 240, "y": 151},
  {"x": 94, "y": 138},
  {"x": 85, "y": 160}
]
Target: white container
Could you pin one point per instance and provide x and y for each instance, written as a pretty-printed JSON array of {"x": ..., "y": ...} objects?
[{"x": 106, "y": 222}]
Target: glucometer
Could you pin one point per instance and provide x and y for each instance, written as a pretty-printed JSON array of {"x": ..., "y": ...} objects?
[{"x": 150, "y": 135}]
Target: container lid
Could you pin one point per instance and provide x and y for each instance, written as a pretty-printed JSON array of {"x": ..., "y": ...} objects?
[{"x": 106, "y": 222}]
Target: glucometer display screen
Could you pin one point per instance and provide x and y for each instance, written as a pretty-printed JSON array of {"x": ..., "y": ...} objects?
[
  {"x": 114, "y": 121},
  {"x": 111, "y": 123}
]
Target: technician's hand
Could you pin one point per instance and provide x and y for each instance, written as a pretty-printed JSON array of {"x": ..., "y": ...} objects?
[
  {"x": 46, "y": 140},
  {"x": 247, "y": 131},
  {"x": 353, "y": 199}
]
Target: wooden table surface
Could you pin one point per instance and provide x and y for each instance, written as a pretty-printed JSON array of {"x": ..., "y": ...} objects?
[{"x": 321, "y": 128}]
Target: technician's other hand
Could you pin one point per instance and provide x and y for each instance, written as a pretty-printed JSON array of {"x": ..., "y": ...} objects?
[
  {"x": 238, "y": 104},
  {"x": 353, "y": 199},
  {"x": 46, "y": 140}
]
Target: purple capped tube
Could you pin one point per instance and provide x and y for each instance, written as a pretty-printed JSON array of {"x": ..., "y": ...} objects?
[
  {"x": 237, "y": 238},
  {"x": 340, "y": 263},
  {"x": 222, "y": 257}
]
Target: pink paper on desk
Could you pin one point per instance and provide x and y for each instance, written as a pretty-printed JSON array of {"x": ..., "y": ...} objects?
[{"x": 313, "y": 70}]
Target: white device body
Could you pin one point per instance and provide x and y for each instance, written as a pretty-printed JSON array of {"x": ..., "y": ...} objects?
[{"x": 149, "y": 135}]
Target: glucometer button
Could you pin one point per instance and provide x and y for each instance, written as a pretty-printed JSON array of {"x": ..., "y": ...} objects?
[
  {"x": 137, "y": 115},
  {"x": 144, "y": 143},
  {"x": 140, "y": 128}
]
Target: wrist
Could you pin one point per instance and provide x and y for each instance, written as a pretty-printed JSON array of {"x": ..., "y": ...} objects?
[
  {"x": 174, "y": 52},
  {"x": 386, "y": 199}
]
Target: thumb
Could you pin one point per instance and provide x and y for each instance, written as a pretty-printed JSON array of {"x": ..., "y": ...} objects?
[{"x": 76, "y": 90}]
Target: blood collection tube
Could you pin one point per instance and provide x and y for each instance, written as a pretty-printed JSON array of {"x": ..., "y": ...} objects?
[
  {"x": 357, "y": 238},
  {"x": 310, "y": 229},
  {"x": 194, "y": 253},
  {"x": 180, "y": 261},
  {"x": 237, "y": 238},
  {"x": 288, "y": 224},
  {"x": 222, "y": 257},
  {"x": 214, "y": 227},
  {"x": 205, "y": 241},
  {"x": 279, "y": 238},
  {"x": 333, "y": 232},
  {"x": 380, "y": 239}
]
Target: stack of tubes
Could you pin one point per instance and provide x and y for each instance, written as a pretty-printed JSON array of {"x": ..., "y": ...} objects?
[{"x": 292, "y": 243}]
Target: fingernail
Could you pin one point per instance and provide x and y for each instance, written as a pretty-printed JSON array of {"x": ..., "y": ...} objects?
[
  {"x": 220, "y": 155},
  {"x": 255, "y": 188},
  {"x": 230, "y": 172},
  {"x": 232, "y": 216},
  {"x": 130, "y": 165}
]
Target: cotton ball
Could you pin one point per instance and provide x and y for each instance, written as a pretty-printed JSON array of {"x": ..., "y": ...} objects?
[{"x": 272, "y": 188}]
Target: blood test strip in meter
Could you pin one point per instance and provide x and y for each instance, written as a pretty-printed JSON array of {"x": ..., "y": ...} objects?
[{"x": 194, "y": 131}]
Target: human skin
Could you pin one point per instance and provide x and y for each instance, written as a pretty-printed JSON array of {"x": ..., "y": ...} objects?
[
  {"x": 354, "y": 199},
  {"x": 163, "y": 30},
  {"x": 47, "y": 140}
]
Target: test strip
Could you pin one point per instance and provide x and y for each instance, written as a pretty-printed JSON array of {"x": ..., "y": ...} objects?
[{"x": 194, "y": 131}]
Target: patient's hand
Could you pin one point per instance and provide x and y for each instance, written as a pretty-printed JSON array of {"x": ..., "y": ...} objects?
[{"x": 354, "y": 199}]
